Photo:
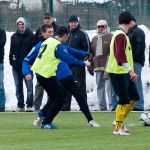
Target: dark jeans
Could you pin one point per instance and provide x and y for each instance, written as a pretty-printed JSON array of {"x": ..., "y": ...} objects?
[
  {"x": 79, "y": 76},
  {"x": 18, "y": 79},
  {"x": 55, "y": 92},
  {"x": 71, "y": 86}
]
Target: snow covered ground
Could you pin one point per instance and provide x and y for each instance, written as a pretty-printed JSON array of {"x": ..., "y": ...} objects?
[{"x": 11, "y": 101}]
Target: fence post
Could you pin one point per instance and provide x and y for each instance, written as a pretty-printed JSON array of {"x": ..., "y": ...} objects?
[
  {"x": 88, "y": 16},
  {"x": 51, "y": 7}
]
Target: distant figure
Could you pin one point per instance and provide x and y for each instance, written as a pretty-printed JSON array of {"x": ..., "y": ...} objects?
[
  {"x": 2, "y": 89},
  {"x": 77, "y": 39},
  {"x": 39, "y": 91},
  {"x": 137, "y": 40},
  {"x": 21, "y": 44},
  {"x": 100, "y": 45}
]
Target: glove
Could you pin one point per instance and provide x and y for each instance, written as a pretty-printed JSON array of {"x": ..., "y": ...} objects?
[{"x": 91, "y": 72}]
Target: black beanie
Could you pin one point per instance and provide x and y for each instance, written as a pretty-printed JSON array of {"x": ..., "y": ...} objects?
[
  {"x": 125, "y": 17},
  {"x": 73, "y": 18}
]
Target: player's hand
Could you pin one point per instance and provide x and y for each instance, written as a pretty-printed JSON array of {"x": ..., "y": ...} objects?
[
  {"x": 87, "y": 63},
  {"x": 28, "y": 77},
  {"x": 133, "y": 76}
]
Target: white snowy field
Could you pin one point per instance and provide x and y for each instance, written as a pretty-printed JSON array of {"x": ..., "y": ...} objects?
[{"x": 11, "y": 101}]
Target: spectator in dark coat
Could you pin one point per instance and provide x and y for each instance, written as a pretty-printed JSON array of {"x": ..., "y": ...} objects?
[
  {"x": 78, "y": 39},
  {"x": 137, "y": 40},
  {"x": 2, "y": 90},
  {"x": 47, "y": 19},
  {"x": 39, "y": 91},
  {"x": 21, "y": 44}
]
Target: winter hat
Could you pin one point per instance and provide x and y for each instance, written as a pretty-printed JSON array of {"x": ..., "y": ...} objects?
[
  {"x": 73, "y": 18},
  {"x": 125, "y": 17},
  {"x": 47, "y": 14},
  {"x": 102, "y": 23},
  {"x": 21, "y": 19}
]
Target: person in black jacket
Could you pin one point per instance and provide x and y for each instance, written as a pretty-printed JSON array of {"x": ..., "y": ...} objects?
[
  {"x": 47, "y": 19},
  {"x": 137, "y": 40},
  {"x": 21, "y": 44},
  {"x": 78, "y": 39},
  {"x": 2, "y": 90},
  {"x": 39, "y": 91}
]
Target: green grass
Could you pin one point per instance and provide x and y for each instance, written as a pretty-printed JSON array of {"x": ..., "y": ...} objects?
[{"x": 17, "y": 133}]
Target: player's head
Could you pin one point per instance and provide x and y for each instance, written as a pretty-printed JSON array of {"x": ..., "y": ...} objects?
[
  {"x": 47, "y": 31},
  {"x": 62, "y": 33},
  {"x": 125, "y": 19}
]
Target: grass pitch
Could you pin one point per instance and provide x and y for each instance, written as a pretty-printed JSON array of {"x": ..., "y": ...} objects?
[{"x": 73, "y": 133}]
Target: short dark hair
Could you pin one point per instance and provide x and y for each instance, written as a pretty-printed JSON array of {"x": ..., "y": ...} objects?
[
  {"x": 44, "y": 27},
  {"x": 62, "y": 30},
  {"x": 125, "y": 17}
]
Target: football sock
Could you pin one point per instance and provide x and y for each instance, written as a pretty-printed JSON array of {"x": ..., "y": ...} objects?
[
  {"x": 129, "y": 107},
  {"x": 120, "y": 114}
]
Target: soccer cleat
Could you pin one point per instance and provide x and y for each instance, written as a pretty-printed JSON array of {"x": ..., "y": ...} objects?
[
  {"x": 123, "y": 127},
  {"x": 37, "y": 122},
  {"x": 48, "y": 126},
  {"x": 120, "y": 132},
  {"x": 92, "y": 123}
]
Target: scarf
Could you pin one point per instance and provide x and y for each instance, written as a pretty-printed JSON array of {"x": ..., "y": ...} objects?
[{"x": 99, "y": 44}]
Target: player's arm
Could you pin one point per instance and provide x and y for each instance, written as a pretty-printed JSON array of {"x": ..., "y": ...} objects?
[{"x": 63, "y": 54}]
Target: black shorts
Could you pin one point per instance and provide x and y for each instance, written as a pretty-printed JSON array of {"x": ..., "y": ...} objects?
[{"x": 124, "y": 88}]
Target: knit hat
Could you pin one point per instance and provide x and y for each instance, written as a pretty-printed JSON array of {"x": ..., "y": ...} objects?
[
  {"x": 21, "y": 19},
  {"x": 73, "y": 18},
  {"x": 102, "y": 23},
  {"x": 125, "y": 17}
]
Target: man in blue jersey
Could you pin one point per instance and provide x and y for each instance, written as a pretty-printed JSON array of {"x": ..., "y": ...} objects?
[{"x": 63, "y": 73}]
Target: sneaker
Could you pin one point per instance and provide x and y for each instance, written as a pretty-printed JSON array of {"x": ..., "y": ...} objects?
[
  {"x": 29, "y": 109},
  {"x": 120, "y": 132},
  {"x": 48, "y": 126},
  {"x": 37, "y": 122},
  {"x": 19, "y": 109},
  {"x": 123, "y": 127},
  {"x": 92, "y": 123}
]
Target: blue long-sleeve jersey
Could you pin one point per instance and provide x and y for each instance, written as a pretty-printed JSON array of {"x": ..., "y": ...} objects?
[{"x": 63, "y": 52}]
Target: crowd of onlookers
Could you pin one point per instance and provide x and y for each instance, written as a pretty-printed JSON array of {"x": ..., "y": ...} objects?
[{"x": 24, "y": 40}]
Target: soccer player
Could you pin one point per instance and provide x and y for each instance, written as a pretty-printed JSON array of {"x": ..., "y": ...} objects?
[
  {"x": 120, "y": 68},
  {"x": 64, "y": 74}
]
